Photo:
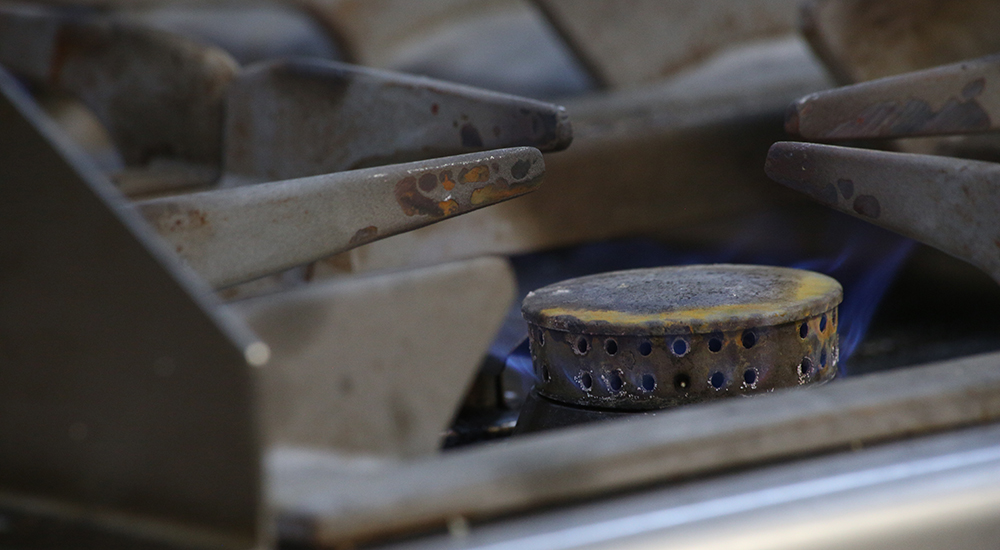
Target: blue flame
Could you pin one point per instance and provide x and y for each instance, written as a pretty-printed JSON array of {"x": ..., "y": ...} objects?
[
  {"x": 865, "y": 260},
  {"x": 519, "y": 361},
  {"x": 864, "y": 287}
]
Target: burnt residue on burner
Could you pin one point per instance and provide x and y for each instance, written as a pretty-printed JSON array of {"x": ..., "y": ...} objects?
[
  {"x": 413, "y": 202},
  {"x": 695, "y": 298},
  {"x": 654, "y": 338}
]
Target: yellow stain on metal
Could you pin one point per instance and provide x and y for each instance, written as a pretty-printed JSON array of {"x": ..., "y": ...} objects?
[
  {"x": 449, "y": 207},
  {"x": 810, "y": 286},
  {"x": 477, "y": 174},
  {"x": 495, "y": 193}
]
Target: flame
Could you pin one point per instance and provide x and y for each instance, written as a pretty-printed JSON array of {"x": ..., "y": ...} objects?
[
  {"x": 864, "y": 287},
  {"x": 865, "y": 260}
]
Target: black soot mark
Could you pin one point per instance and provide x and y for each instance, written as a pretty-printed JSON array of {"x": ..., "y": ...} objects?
[
  {"x": 428, "y": 182},
  {"x": 868, "y": 206},
  {"x": 470, "y": 136},
  {"x": 520, "y": 169},
  {"x": 846, "y": 188},
  {"x": 414, "y": 203}
]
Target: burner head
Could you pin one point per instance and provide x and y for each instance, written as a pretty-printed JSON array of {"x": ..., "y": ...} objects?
[{"x": 655, "y": 338}]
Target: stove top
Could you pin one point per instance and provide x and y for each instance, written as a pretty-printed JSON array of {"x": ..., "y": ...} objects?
[{"x": 495, "y": 273}]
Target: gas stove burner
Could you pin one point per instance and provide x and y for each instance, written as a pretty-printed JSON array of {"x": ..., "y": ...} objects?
[{"x": 655, "y": 338}]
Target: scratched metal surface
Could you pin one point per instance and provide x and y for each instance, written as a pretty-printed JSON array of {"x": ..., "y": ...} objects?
[
  {"x": 860, "y": 41},
  {"x": 299, "y": 118},
  {"x": 952, "y": 99}
]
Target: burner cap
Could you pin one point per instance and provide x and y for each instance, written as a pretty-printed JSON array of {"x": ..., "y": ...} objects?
[{"x": 654, "y": 338}]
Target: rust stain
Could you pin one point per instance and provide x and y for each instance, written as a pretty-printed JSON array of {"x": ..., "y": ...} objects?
[
  {"x": 413, "y": 202},
  {"x": 498, "y": 191},
  {"x": 446, "y": 180},
  {"x": 364, "y": 235},
  {"x": 434, "y": 108},
  {"x": 171, "y": 218},
  {"x": 477, "y": 174},
  {"x": 192, "y": 219},
  {"x": 449, "y": 207}
]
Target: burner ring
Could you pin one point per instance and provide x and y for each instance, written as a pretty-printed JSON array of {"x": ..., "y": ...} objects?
[{"x": 656, "y": 338}]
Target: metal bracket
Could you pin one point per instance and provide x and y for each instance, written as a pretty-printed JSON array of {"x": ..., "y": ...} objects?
[{"x": 127, "y": 403}]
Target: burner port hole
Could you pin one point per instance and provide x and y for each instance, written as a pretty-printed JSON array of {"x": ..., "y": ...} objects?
[
  {"x": 715, "y": 344},
  {"x": 645, "y": 348},
  {"x": 615, "y": 382},
  {"x": 679, "y": 347},
  {"x": 682, "y": 382},
  {"x": 611, "y": 346},
  {"x": 805, "y": 367}
]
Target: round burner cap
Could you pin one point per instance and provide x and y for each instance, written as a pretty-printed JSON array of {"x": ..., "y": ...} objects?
[
  {"x": 655, "y": 338},
  {"x": 689, "y": 299}
]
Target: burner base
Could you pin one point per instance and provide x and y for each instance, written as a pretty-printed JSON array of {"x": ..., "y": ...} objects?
[{"x": 541, "y": 413}]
